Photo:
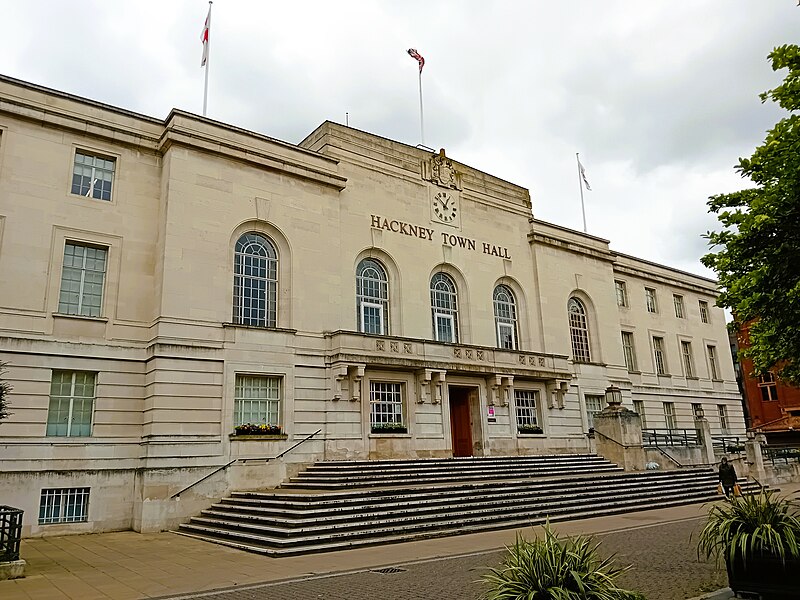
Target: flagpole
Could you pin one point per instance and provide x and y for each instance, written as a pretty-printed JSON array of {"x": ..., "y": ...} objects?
[
  {"x": 580, "y": 186},
  {"x": 421, "y": 118},
  {"x": 208, "y": 59}
]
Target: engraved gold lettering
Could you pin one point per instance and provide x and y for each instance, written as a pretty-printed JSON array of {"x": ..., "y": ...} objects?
[{"x": 376, "y": 221}]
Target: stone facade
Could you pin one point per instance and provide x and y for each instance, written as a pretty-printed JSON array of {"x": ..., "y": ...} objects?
[{"x": 168, "y": 343}]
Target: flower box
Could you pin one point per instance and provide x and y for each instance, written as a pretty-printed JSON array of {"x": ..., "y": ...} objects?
[
  {"x": 261, "y": 429},
  {"x": 389, "y": 428},
  {"x": 530, "y": 429}
]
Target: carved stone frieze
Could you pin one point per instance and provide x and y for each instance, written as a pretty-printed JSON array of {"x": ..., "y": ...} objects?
[{"x": 440, "y": 170}]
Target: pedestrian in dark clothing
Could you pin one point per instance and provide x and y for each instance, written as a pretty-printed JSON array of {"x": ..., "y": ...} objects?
[{"x": 727, "y": 477}]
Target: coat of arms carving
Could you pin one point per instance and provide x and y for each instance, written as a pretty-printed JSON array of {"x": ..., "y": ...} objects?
[{"x": 440, "y": 170}]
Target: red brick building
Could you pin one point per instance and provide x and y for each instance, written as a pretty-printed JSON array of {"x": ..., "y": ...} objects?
[{"x": 772, "y": 406}]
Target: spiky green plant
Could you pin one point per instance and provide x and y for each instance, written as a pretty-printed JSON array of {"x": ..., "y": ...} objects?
[
  {"x": 763, "y": 524},
  {"x": 550, "y": 568}
]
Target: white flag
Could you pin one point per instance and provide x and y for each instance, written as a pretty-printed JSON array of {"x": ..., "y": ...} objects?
[
  {"x": 204, "y": 38},
  {"x": 583, "y": 175}
]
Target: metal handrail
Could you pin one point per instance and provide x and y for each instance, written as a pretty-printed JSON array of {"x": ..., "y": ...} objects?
[
  {"x": 620, "y": 444},
  {"x": 672, "y": 458},
  {"x": 671, "y": 437},
  {"x": 225, "y": 466}
]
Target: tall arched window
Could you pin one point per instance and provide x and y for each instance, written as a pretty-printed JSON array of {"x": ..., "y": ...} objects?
[
  {"x": 578, "y": 331},
  {"x": 372, "y": 297},
  {"x": 505, "y": 317},
  {"x": 255, "y": 281},
  {"x": 444, "y": 308}
]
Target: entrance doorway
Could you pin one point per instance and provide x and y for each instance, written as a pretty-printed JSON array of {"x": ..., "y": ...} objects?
[{"x": 461, "y": 420}]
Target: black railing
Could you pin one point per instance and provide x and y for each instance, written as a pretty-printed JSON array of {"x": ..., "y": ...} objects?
[
  {"x": 670, "y": 437},
  {"x": 727, "y": 444},
  {"x": 225, "y": 466},
  {"x": 10, "y": 533},
  {"x": 780, "y": 455}
]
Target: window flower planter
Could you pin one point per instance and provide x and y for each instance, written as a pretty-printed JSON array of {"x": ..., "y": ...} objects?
[
  {"x": 389, "y": 428},
  {"x": 251, "y": 430},
  {"x": 530, "y": 429}
]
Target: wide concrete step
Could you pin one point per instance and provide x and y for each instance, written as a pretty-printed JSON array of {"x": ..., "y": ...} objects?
[{"x": 275, "y": 546}]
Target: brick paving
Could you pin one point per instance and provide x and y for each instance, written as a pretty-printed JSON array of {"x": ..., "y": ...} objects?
[{"x": 664, "y": 559}]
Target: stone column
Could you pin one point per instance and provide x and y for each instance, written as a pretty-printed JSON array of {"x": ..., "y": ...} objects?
[
  {"x": 755, "y": 460},
  {"x": 704, "y": 437},
  {"x": 618, "y": 437}
]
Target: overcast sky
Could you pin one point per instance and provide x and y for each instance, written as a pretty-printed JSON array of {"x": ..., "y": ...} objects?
[{"x": 659, "y": 97}]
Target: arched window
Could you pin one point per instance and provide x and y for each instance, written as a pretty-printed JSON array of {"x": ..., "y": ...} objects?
[
  {"x": 255, "y": 281},
  {"x": 578, "y": 331},
  {"x": 372, "y": 297},
  {"x": 444, "y": 308},
  {"x": 505, "y": 317}
]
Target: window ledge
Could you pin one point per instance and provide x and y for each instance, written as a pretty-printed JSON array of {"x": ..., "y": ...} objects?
[
  {"x": 80, "y": 317},
  {"x": 718, "y": 380},
  {"x": 259, "y": 328},
  {"x": 635, "y": 372},
  {"x": 256, "y": 438},
  {"x": 694, "y": 378},
  {"x": 532, "y": 435},
  {"x": 390, "y": 435}
]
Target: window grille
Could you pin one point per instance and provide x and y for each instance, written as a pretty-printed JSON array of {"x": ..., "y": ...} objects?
[
  {"x": 722, "y": 410},
  {"x": 64, "y": 505},
  {"x": 527, "y": 412},
  {"x": 688, "y": 360},
  {"x": 71, "y": 407},
  {"x": 255, "y": 283},
  {"x": 82, "y": 277},
  {"x": 704, "y": 311},
  {"x": 594, "y": 404},
  {"x": 669, "y": 415},
  {"x": 444, "y": 305},
  {"x": 386, "y": 403},
  {"x": 579, "y": 331},
  {"x": 713, "y": 365},
  {"x": 658, "y": 354},
  {"x": 678, "y": 302},
  {"x": 622, "y": 293},
  {"x": 257, "y": 400},
  {"x": 92, "y": 176},
  {"x": 628, "y": 350},
  {"x": 505, "y": 316},
  {"x": 650, "y": 300},
  {"x": 372, "y": 297}
]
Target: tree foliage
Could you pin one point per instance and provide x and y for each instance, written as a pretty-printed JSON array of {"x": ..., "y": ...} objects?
[
  {"x": 5, "y": 390},
  {"x": 757, "y": 253}
]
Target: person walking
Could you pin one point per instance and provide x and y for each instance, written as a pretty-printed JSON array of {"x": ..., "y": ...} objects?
[{"x": 727, "y": 477}]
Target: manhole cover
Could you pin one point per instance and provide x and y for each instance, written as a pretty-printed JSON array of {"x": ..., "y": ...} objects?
[{"x": 389, "y": 570}]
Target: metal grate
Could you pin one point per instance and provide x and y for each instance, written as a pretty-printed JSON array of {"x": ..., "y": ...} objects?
[{"x": 389, "y": 570}]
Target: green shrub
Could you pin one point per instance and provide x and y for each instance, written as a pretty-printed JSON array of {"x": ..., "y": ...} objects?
[
  {"x": 763, "y": 524},
  {"x": 550, "y": 568},
  {"x": 389, "y": 428}
]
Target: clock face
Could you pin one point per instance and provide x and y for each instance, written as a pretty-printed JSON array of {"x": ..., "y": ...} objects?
[{"x": 444, "y": 207}]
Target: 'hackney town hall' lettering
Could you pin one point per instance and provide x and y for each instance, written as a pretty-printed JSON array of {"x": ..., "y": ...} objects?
[{"x": 448, "y": 239}]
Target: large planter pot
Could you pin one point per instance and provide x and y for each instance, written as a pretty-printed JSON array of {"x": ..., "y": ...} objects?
[{"x": 764, "y": 577}]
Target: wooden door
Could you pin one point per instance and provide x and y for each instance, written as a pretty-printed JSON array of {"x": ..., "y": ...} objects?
[{"x": 460, "y": 423}]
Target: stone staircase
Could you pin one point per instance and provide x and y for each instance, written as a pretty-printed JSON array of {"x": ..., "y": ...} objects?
[{"x": 345, "y": 504}]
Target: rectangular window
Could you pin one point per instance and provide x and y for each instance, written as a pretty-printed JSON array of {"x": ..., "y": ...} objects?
[
  {"x": 527, "y": 412},
  {"x": 638, "y": 407},
  {"x": 64, "y": 505},
  {"x": 71, "y": 404},
  {"x": 82, "y": 279},
  {"x": 594, "y": 404},
  {"x": 658, "y": 355},
  {"x": 669, "y": 415},
  {"x": 507, "y": 336},
  {"x": 386, "y": 403},
  {"x": 723, "y": 418},
  {"x": 678, "y": 302},
  {"x": 445, "y": 328},
  {"x": 628, "y": 350},
  {"x": 688, "y": 359},
  {"x": 622, "y": 293},
  {"x": 713, "y": 365},
  {"x": 372, "y": 318},
  {"x": 92, "y": 176},
  {"x": 704, "y": 311},
  {"x": 257, "y": 400},
  {"x": 650, "y": 300},
  {"x": 768, "y": 387}
]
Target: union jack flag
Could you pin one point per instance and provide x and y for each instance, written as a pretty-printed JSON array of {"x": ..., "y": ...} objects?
[{"x": 418, "y": 57}]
